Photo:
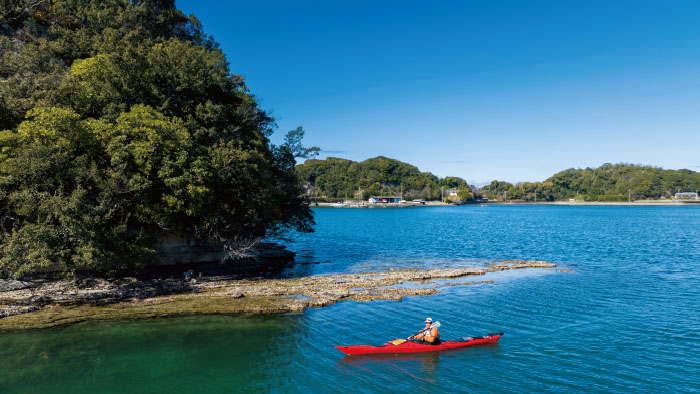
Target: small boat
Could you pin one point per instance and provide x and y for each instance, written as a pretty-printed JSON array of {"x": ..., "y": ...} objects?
[{"x": 402, "y": 346}]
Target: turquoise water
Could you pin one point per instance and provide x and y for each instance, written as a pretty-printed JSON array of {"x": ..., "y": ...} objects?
[{"x": 625, "y": 320}]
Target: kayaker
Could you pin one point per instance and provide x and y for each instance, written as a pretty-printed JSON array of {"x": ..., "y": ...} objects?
[{"x": 429, "y": 334}]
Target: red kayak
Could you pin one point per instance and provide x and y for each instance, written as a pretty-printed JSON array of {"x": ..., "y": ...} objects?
[{"x": 415, "y": 347}]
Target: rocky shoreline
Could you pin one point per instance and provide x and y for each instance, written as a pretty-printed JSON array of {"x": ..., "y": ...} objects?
[{"x": 47, "y": 303}]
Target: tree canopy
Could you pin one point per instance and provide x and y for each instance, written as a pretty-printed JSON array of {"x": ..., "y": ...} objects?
[
  {"x": 334, "y": 179},
  {"x": 119, "y": 121},
  {"x": 609, "y": 182}
]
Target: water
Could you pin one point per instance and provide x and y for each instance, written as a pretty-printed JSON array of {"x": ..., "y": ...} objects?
[{"x": 625, "y": 320}]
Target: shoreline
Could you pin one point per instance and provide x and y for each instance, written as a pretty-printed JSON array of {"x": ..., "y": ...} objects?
[
  {"x": 384, "y": 205},
  {"x": 646, "y": 203},
  {"x": 642, "y": 203},
  {"x": 43, "y": 304}
]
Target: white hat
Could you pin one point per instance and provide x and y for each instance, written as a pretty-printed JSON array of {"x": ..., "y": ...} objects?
[{"x": 428, "y": 320}]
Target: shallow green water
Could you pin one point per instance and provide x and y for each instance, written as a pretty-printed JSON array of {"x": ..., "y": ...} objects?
[{"x": 625, "y": 320}]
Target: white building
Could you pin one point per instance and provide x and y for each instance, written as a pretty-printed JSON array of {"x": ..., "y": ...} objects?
[{"x": 687, "y": 195}]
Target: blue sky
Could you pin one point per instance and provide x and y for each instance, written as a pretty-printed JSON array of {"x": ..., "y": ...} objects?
[{"x": 508, "y": 90}]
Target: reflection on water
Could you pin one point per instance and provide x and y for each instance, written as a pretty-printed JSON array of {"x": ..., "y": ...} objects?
[
  {"x": 416, "y": 366},
  {"x": 419, "y": 366}
]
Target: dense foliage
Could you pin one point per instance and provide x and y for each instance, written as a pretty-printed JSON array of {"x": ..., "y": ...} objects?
[
  {"x": 338, "y": 179},
  {"x": 610, "y": 182},
  {"x": 121, "y": 121}
]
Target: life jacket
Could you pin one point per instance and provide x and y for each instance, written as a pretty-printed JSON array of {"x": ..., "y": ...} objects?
[{"x": 427, "y": 332}]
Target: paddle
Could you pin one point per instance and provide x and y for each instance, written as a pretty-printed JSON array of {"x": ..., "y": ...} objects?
[
  {"x": 434, "y": 325},
  {"x": 397, "y": 342}
]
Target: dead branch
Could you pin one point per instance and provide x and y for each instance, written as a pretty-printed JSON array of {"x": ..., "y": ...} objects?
[{"x": 240, "y": 248}]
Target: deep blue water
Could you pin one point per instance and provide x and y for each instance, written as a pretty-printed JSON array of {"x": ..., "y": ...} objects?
[{"x": 625, "y": 320}]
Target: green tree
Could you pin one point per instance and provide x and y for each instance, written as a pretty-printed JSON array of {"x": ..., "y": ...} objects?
[
  {"x": 465, "y": 195},
  {"x": 335, "y": 179},
  {"x": 122, "y": 121},
  {"x": 609, "y": 182}
]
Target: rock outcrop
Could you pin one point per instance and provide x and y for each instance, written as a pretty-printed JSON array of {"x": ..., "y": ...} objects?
[{"x": 43, "y": 303}]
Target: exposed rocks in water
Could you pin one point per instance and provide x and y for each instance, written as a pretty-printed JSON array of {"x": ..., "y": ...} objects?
[
  {"x": 10, "y": 310},
  {"x": 468, "y": 283},
  {"x": 9, "y": 285},
  {"x": 47, "y": 290},
  {"x": 517, "y": 264},
  {"x": 44, "y": 303}
]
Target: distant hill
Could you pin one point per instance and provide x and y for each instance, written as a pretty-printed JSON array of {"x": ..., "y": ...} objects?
[
  {"x": 337, "y": 179},
  {"x": 609, "y": 182}
]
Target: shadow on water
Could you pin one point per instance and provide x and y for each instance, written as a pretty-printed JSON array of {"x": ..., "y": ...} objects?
[
  {"x": 301, "y": 265},
  {"x": 304, "y": 264},
  {"x": 417, "y": 366},
  {"x": 420, "y": 366}
]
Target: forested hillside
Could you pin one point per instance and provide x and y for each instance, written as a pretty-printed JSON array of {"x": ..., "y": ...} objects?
[
  {"x": 610, "y": 182},
  {"x": 120, "y": 120},
  {"x": 339, "y": 179}
]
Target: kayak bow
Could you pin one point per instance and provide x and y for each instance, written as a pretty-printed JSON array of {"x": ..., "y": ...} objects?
[{"x": 413, "y": 347}]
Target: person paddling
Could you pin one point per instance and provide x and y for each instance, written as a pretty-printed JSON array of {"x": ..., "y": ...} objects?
[{"x": 430, "y": 332}]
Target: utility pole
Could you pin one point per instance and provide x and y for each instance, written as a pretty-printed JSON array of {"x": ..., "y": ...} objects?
[
  {"x": 442, "y": 193},
  {"x": 629, "y": 195}
]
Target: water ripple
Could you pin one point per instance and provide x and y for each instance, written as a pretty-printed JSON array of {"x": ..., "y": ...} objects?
[{"x": 625, "y": 320}]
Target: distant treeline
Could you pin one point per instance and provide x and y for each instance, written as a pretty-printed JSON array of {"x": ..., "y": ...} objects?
[
  {"x": 609, "y": 182},
  {"x": 339, "y": 179}
]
